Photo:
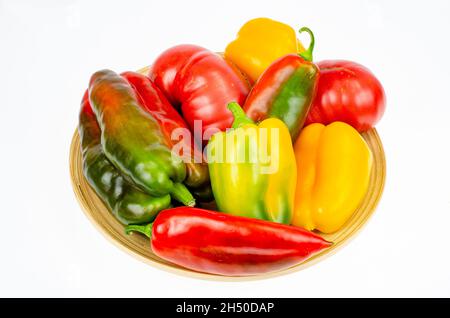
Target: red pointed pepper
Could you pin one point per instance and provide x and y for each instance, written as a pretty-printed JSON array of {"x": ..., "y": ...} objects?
[
  {"x": 202, "y": 83},
  {"x": 285, "y": 90},
  {"x": 223, "y": 244}
]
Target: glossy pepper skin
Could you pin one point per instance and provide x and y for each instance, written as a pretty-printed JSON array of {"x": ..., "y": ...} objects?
[
  {"x": 221, "y": 244},
  {"x": 128, "y": 204},
  {"x": 259, "y": 43},
  {"x": 258, "y": 178},
  {"x": 133, "y": 140},
  {"x": 285, "y": 90},
  {"x": 169, "y": 120},
  {"x": 347, "y": 92},
  {"x": 202, "y": 83},
  {"x": 334, "y": 165}
]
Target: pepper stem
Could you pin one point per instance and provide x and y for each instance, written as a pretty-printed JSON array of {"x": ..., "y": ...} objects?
[
  {"x": 181, "y": 193},
  {"x": 144, "y": 229},
  {"x": 240, "y": 118},
  {"x": 308, "y": 54}
]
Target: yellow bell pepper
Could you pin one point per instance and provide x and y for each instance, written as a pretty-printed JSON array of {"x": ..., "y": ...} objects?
[
  {"x": 260, "y": 42},
  {"x": 334, "y": 164},
  {"x": 258, "y": 177}
]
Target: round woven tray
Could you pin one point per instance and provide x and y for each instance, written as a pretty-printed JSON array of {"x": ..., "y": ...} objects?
[{"x": 139, "y": 246}]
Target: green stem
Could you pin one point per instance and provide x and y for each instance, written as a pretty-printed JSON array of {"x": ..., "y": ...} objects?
[
  {"x": 144, "y": 229},
  {"x": 308, "y": 54},
  {"x": 181, "y": 193},
  {"x": 240, "y": 118}
]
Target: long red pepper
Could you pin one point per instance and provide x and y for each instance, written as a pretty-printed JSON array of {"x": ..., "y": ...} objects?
[{"x": 223, "y": 244}]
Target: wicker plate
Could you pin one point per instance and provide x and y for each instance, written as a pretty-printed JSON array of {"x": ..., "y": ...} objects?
[{"x": 139, "y": 246}]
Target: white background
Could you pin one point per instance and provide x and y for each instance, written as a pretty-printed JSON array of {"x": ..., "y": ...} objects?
[{"x": 48, "y": 50}]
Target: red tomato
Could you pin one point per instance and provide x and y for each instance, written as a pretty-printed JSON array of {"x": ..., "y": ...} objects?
[{"x": 347, "y": 92}]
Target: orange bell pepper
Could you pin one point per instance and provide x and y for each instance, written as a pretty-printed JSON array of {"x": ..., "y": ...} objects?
[{"x": 334, "y": 164}]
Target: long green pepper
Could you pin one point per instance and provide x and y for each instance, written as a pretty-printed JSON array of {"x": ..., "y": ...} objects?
[
  {"x": 129, "y": 204},
  {"x": 133, "y": 141}
]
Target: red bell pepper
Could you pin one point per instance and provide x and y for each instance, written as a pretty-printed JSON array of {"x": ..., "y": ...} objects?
[
  {"x": 153, "y": 101},
  {"x": 202, "y": 83},
  {"x": 347, "y": 92},
  {"x": 223, "y": 244}
]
